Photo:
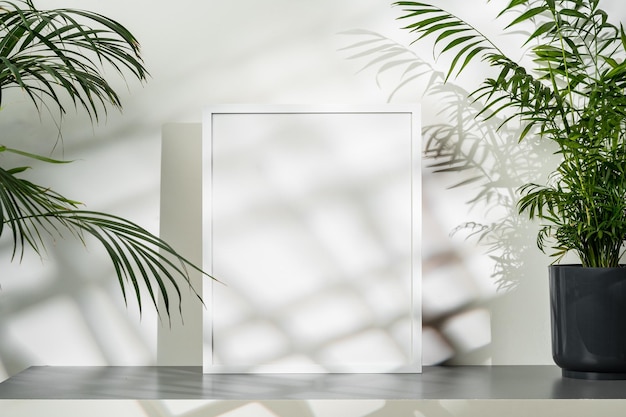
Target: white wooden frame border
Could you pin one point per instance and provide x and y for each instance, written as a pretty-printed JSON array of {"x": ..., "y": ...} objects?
[{"x": 414, "y": 364}]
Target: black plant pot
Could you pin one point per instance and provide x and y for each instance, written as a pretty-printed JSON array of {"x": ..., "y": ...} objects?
[{"x": 588, "y": 311}]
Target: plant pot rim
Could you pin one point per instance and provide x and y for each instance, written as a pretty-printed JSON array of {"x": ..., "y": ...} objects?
[{"x": 620, "y": 266}]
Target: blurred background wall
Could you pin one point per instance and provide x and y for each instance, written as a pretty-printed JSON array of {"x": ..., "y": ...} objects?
[{"x": 67, "y": 308}]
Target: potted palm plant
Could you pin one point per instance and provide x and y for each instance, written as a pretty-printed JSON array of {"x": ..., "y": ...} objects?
[
  {"x": 568, "y": 87},
  {"x": 57, "y": 58}
]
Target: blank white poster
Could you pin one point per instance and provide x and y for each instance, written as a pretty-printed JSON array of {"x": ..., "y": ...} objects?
[{"x": 311, "y": 223}]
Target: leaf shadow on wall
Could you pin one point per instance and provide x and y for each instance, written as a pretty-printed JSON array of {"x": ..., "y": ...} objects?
[{"x": 474, "y": 155}]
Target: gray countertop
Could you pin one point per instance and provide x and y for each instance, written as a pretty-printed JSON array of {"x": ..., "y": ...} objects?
[{"x": 458, "y": 382}]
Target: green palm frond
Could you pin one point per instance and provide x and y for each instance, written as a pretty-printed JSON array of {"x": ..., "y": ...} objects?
[
  {"x": 47, "y": 53},
  {"x": 513, "y": 88},
  {"x": 452, "y": 33},
  {"x": 59, "y": 58},
  {"x": 571, "y": 90},
  {"x": 34, "y": 213}
]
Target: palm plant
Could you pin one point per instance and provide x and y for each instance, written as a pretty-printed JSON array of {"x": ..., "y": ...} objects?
[
  {"x": 58, "y": 58},
  {"x": 572, "y": 94}
]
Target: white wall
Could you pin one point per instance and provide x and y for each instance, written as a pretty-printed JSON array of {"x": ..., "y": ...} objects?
[{"x": 68, "y": 309}]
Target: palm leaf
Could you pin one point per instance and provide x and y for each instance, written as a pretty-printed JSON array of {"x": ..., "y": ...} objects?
[
  {"x": 453, "y": 33},
  {"x": 53, "y": 55},
  {"x": 573, "y": 94},
  {"x": 140, "y": 258},
  {"x": 43, "y": 51}
]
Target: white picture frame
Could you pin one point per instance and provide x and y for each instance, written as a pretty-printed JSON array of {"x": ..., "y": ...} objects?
[{"x": 312, "y": 223}]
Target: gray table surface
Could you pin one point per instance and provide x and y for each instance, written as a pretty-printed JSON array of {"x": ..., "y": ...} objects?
[{"x": 459, "y": 382}]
